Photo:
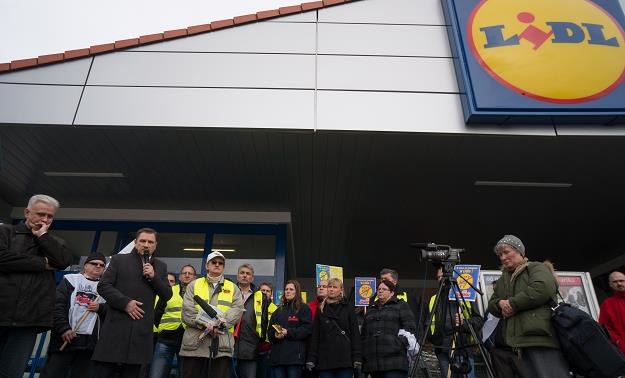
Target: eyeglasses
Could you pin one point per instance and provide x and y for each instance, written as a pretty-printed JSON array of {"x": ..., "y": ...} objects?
[
  {"x": 322, "y": 287},
  {"x": 217, "y": 262},
  {"x": 99, "y": 265},
  {"x": 187, "y": 274}
]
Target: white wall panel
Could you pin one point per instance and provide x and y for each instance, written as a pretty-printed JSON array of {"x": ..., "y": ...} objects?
[
  {"x": 204, "y": 70},
  {"x": 399, "y": 40},
  {"x": 403, "y": 112},
  {"x": 38, "y": 104},
  {"x": 386, "y": 73},
  {"x": 426, "y": 12},
  {"x": 71, "y": 72},
  {"x": 262, "y": 37},
  {"x": 197, "y": 107}
]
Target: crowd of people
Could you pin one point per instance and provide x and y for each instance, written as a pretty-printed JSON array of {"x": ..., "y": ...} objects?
[{"x": 132, "y": 319}]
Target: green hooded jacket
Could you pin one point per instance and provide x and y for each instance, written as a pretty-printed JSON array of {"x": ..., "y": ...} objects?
[{"x": 529, "y": 289}]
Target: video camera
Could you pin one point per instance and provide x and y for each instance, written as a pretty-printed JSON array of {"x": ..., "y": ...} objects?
[{"x": 439, "y": 253}]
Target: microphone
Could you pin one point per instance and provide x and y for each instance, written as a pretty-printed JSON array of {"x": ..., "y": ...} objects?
[
  {"x": 146, "y": 260},
  {"x": 205, "y": 306}
]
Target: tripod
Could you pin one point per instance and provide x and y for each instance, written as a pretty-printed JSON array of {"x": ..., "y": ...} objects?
[{"x": 447, "y": 283}]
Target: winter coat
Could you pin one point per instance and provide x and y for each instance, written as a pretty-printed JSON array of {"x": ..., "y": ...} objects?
[
  {"x": 382, "y": 349},
  {"x": 612, "y": 316},
  {"x": 124, "y": 340},
  {"x": 245, "y": 346},
  {"x": 529, "y": 290},
  {"x": 290, "y": 350},
  {"x": 62, "y": 324},
  {"x": 192, "y": 346},
  {"x": 330, "y": 348},
  {"x": 26, "y": 287}
]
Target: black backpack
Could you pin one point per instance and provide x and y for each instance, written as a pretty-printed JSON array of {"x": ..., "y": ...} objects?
[{"x": 584, "y": 343}]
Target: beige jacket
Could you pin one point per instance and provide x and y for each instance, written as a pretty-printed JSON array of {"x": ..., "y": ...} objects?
[{"x": 192, "y": 346}]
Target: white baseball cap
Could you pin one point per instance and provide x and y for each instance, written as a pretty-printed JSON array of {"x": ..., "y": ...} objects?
[{"x": 212, "y": 255}]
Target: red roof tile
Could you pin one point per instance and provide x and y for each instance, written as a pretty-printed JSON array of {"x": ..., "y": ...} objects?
[{"x": 170, "y": 34}]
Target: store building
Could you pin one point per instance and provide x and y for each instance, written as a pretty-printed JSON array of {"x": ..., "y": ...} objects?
[{"x": 332, "y": 132}]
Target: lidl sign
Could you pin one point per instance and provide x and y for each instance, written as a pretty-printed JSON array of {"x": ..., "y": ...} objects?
[{"x": 541, "y": 61}]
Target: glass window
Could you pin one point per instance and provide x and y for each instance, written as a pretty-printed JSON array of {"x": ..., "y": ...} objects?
[
  {"x": 79, "y": 242},
  {"x": 106, "y": 245}
]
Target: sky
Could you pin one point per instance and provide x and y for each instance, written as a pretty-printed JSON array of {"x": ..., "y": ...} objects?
[{"x": 30, "y": 28}]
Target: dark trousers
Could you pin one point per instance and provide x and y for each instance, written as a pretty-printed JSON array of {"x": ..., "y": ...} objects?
[
  {"x": 115, "y": 370},
  {"x": 16, "y": 345},
  {"x": 506, "y": 363},
  {"x": 389, "y": 374},
  {"x": 198, "y": 367},
  {"x": 246, "y": 368},
  {"x": 287, "y": 371},
  {"x": 337, "y": 373},
  {"x": 59, "y": 364},
  {"x": 540, "y": 362}
]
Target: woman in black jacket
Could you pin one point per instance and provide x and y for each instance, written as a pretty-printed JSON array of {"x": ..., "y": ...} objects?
[
  {"x": 384, "y": 351},
  {"x": 289, "y": 328},
  {"x": 335, "y": 343}
]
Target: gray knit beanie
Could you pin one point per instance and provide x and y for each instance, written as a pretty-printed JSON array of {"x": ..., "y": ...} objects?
[{"x": 513, "y": 242}]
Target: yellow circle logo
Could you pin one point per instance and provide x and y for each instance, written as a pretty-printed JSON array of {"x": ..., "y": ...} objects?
[
  {"x": 465, "y": 283},
  {"x": 365, "y": 291},
  {"x": 323, "y": 275},
  {"x": 558, "y": 51}
]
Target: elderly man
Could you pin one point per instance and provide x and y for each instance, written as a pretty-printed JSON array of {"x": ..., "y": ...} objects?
[
  {"x": 521, "y": 299},
  {"x": 208, "y": 343},
  {"x": 130, "y": 286},
  {"x": 77, "y": 317},
  {"x": 28, "y": 257},
  {"x": 612, "y": 312}
]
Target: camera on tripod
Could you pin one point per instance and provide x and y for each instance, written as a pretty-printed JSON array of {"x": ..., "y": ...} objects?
[{"x": 439, "y": 253}]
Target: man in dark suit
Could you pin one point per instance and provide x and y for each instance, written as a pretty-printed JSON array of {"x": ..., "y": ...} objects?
[{"x": 130, "y": 285}]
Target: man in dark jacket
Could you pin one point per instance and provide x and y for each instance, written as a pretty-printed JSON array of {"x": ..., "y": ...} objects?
[
  {"x": 129, "y": 286},
  {"x": 249, "y": 332},
  {"x": 521, "y": 298},
  {"x": 77, "y": 315},
  {"x": 29, "y": 255}
]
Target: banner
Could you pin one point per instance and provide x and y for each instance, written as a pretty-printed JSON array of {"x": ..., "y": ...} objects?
[
  {"x": 465, "y": 276},
  {"x": 325, "y": 272},
  {"x": 365, "y": 289}
]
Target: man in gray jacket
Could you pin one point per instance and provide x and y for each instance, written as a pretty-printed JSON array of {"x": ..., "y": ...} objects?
[{"x": 29, "y": 255}]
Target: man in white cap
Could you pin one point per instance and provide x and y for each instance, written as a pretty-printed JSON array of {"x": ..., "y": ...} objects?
[
  {"x": 208, "y": 344},
  {"x": 521, "y": 298}
]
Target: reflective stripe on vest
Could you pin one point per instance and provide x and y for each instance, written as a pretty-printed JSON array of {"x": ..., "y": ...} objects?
[
  {"x": 172, "y": 317},
  {"x": 403, "y": 296},
  {"x": 465, "y": 312},
  {"x": 224, "y": 298},
  {"x": 258, "y": 311}
]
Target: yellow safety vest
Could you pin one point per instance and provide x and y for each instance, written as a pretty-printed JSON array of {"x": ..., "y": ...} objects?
[
  {"x": 224, "y": 298},
  {"x": 258, "y": 310},
  {"x": 172, "y": 317},
  {"x": 403, "y": 296},
  {"x": 465, "y": 311},
  {"x": 155, "y": 328}
]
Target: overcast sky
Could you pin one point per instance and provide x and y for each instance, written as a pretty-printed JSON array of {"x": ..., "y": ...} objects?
[{"x": 29, "y": 28}]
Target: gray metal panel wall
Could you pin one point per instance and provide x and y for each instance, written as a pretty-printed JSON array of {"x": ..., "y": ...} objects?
[
  {"x": 73, "y": 72},
  {"x": 38, "y": 104}
]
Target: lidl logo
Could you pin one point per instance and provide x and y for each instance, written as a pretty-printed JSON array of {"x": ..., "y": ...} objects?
[
  {"x": 561, "y": 51},
  {"x": 539, "y": 55}
]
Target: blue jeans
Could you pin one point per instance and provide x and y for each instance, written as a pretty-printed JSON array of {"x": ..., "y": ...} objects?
[
  {"x": 288, "y": 371},
  {"x": 246, "y": 368},
  {"x": 16, "y": 346},
  {"x": 337, "y": 373},
  {"x": 162, "y": 360},
  {"x": 443, "y": 363}
]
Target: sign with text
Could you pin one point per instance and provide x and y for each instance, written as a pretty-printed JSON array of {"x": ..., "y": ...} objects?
[
  {"x": 465, "y": 276},
  {"x": 364, "y": 290},
  {"x": 325, "y": 272}
]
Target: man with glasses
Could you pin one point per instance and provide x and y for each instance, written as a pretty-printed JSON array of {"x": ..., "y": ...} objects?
[
  {"x": 168, "y": 319},
  {"x": 77, "y": 317},
  {"x": 208, "y": 346},
  {"x": 130, "y": 285},
  {"x": 29, "y": 255}
]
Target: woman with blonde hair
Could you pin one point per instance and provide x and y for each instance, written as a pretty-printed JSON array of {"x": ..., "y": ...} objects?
[
  {"x": 335, "y": 343},
  {"x": 289, "y": 328}
]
